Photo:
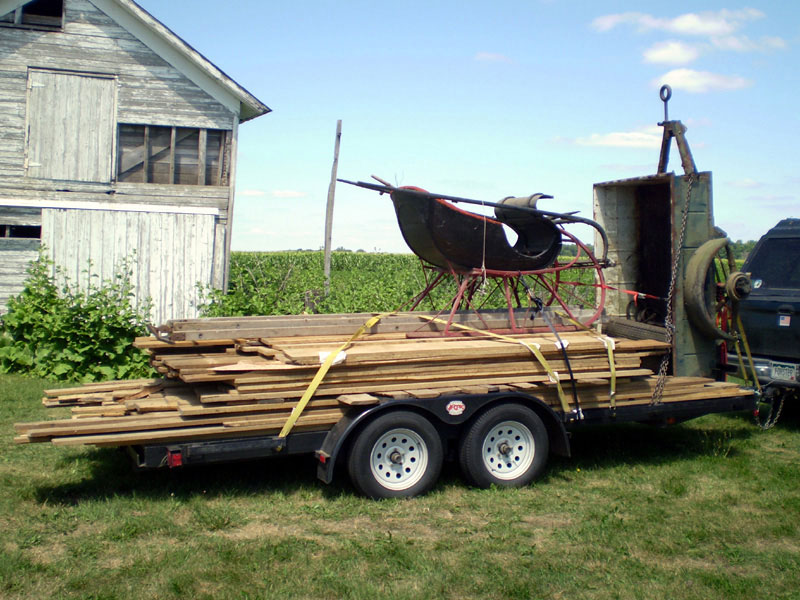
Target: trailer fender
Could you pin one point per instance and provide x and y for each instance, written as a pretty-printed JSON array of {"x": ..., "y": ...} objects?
[{"x": 445, "y": 411}]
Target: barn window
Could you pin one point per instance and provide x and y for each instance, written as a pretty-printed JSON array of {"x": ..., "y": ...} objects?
[
  {"x": 31, "y": 232},
  {"x": 173, "y": 155},
  {"x": 48, "y": 14}
]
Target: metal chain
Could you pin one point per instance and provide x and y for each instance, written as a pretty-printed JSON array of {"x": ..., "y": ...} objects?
[
  {"x": 669, "y": 324},
  {"x": 773, "y": 415}
]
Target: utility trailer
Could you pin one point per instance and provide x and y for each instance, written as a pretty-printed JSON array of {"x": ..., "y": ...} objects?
[
  {"x": 400, "y": 402},
  {"x": 396, "y": 449},
  {"x": 391, "y": 397}
]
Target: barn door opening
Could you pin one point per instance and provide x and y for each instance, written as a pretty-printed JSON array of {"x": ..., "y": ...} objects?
[{"x": 71, "y": 120}]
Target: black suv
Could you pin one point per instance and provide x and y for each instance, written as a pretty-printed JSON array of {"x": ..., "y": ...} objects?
[{"x": 771, "y": 313}]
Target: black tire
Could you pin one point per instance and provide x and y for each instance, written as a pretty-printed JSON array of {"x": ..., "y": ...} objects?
[
  {"x": 505, "y": 446},
  {"x": 700, "y": 288},
  {"x": 397, "y": 455}
]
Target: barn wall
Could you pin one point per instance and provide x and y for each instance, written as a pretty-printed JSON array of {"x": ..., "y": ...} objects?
[
  {"x": 16, "y": 253},
  {"x": 148, "y": 91},
  {"x": 91, "y": 244},
  {"x": 15, "y": 256}
]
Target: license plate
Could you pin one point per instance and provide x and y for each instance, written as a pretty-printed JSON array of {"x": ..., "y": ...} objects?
[{"x": 783, "y": 371}]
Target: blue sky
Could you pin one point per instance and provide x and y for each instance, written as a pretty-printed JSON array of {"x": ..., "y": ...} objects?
[{"x": 487, "y": 100}]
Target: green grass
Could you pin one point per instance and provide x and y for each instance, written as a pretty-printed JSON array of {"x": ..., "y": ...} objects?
[{"x": 708, "y": 509}]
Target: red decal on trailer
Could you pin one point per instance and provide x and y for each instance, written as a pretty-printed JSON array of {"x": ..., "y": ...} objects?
[{"x": 455, "y": 407}]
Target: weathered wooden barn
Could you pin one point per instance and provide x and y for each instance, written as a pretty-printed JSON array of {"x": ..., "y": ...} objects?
[{"x": 117, "y": 140}]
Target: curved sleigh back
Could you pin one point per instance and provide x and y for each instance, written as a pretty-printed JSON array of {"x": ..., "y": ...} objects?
[{"x": 454, "y": 239}]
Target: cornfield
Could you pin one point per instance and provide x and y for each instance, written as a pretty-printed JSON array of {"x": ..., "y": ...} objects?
[{"x": 282, "y": 283}]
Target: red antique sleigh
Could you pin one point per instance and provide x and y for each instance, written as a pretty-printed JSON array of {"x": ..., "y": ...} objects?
[{"x": 475, "y": 250}]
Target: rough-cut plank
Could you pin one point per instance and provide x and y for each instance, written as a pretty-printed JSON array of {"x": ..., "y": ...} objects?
[
  {"x": 472, "y": 347},
  {"x": 302, "y": 325},
  {"x": 320, "y": 420},
  {"x": 357, "y": 399}
]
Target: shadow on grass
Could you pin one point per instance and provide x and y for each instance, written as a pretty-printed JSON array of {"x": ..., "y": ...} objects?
[
  {"x": 110, "y": 472},
  {"x": 610, "y": 446},
  {"x": 790, "y": 415}
]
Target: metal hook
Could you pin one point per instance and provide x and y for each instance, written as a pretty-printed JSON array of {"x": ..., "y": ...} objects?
[{"x": 665, "y": 93}]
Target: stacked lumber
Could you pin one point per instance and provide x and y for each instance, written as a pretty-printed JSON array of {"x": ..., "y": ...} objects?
[
  {"x": 222, "y": 328},
  {"x": 215, "y": 387}
]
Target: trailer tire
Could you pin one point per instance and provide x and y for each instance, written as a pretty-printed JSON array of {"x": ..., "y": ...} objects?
[
  {"x": 397, "y": 455},
  {"x": 506, "y": 446}
]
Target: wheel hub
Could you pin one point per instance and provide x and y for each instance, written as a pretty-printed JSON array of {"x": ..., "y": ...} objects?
[
  {"x": 399, "y": 459},
  {"x": 508, "y": 450}
]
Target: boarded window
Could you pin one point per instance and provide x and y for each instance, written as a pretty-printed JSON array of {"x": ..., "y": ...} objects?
[
  {"x": 173, "y": 155},
  {"x": 70, "y": 126},
  {"x": 21, "y": 231},
  {"x": 39, "y": 13}
]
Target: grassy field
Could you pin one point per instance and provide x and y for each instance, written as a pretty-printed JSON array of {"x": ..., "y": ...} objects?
[{"x": 708, "y": 509}]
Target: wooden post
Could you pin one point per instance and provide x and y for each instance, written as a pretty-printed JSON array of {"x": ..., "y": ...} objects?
[
  {"x": 329, "y": 210},
  {"x": 202, "y": 144}
]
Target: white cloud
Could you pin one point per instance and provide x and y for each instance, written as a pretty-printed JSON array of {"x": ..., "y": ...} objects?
[
  {"x": 671, "y": 52},
  {"x": 491, "y": 57},
  {"x": 287, "y": 194},
  {"x": 746, "y": 183},
  {"x": 699, "y": 82},
  {"x": 745, "y": 44},
  {"x": 254, "y": 193},
  {"x": 722, "y": 22},
  {"x": 648, "y": 137},
  {"x": 773, "y": 42},
  {"x": 710, "y": 23},
  {"x": 641, "y": 20}
]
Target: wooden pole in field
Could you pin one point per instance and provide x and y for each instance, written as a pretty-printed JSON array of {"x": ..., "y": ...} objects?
[{"x": 329, "y": 210}]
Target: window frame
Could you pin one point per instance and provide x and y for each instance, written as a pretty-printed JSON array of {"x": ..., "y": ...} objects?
[{"x": 177, "y": 135}]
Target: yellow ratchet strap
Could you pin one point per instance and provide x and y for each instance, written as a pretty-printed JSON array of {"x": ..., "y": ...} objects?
[
  {"x": 608, "y": 342},
  {"x": 740, "y": 326},
  {"x": 742, "y": 370},
  {"x": 323, "y": 370},
  {"x": 534, "y": 349}
]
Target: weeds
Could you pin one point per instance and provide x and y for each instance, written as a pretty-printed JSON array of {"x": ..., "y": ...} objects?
[{"x": 71, "y": 334}]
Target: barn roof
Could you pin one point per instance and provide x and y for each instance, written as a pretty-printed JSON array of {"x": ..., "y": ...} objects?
[{"x": 169, "y": 46}]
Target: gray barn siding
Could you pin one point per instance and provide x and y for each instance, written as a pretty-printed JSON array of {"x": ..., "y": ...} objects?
[
  {"x": 15, "y": 256},
  {"x": 149, "y": 91},
  {"x": 90, "y": 245}
]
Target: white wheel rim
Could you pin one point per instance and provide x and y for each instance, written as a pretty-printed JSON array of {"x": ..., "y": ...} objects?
[
  {"x": 398, "y": 459},
  {"x": 508, "y": 450}
]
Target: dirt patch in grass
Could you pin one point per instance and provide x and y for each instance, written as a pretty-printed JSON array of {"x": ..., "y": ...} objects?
[
  {"x": 256, "y": 530},
  {"x": 331, "y": 533},
  {"x": 46, "y": 554}
]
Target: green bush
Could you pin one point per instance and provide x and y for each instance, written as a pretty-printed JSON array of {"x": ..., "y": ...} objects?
[{"x": 70, "y": 334}]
